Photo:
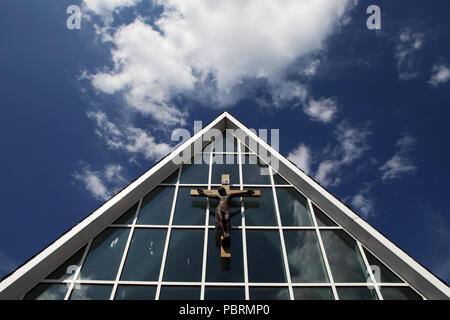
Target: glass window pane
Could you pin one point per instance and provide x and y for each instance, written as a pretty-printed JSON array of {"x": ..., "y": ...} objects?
[
  {"x": 254, "y": 170},
  {"x": 135, "y": 293},
  {"x": 293, "y": 208},
  {"x": 179, "y": 293},
  {"x": 143, "y": 262},
  {"x": 260, "y": 211},
  {"x": 127, "y": 217},
  {"x": 269, "y": 293},
  {"x": 172, "y": 179},
  {"x": 311, "y": 293},
  {"x": 344, "y": 257},
  {"x": 235, "y": 210},
  {"x": 196, "y": 173},
  {"x": 184, "y": 257},
  {"x": 399, "y": 293},
  {"x": 277, "y": 179},
  {"x": 305, "y": 259},
  {"x": 225, "y": 164},
  {"x": 91, "y": 292},
  {"x": 189, "y": 210},
  {"x": 156, "y": 206},
  {"x": 224, "y": 293},
  {"x": 67, "y": 270},
  {"x": 356, "y": 293},
  {"x": 381, "y": 272},
  {"x": 105, "y": 254},
  {"x": 265, "y": 259},
  {"x": 322, "y": 219},
  {"x": 225, "y": 143},
  {"x": 224, "y": 270},
  {"x": 47, "y": 291}
]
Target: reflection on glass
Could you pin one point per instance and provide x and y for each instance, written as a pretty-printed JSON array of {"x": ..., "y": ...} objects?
[
  {"x": 269, "y": 293},
  {"x": 265, "y": 259},
  {"x": 293, "y": 208},
  {"x": 260, "y": 211},
  {"x": 381, "y": 272},
  {"x": 135, "y": 293},
  {"x": 91, "y": 292},
  {"x": 67, "y": 270},
  {"x": 156, "y": 206},
  {"x": 356, "y": 293},
  {"x": 313, "y": 293},
  {"x": 224, "y": 293},
  {"x": 179, "y": 293},
  {"x": 47, "y": 291},
  {"x": 127, "y": 217},
  {"x": 322, "y": 219},
  {"x": 224, "y": 270},
  {"x": 225, "y": 164},
  {"x": 184, "y": 256},
  {"x": 104, "y": 255},
  {"x": 305, "y": 259},
  {"x": 197, "y": 171},
  {"x": 189, "y": 210},
  {"x": 344, "y": 257},
  {"x": 235, "y": 210},
  {"x": 143, "y": 261},
  {"x": 399, "y": 293},
  {"x": 254, "y": 170}
]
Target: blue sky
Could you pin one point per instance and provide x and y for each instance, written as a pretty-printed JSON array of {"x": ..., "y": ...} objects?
[{"x": 364, "y": 112}]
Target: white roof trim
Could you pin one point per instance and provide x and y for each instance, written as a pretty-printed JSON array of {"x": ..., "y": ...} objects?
[{"x": 33, "y": 271}]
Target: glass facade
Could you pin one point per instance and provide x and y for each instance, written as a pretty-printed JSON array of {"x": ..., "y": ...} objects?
[{"x": 166, "y": 247}]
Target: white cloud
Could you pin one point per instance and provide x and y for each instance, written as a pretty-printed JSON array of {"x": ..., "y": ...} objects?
[
  {"x": 288, "y": 93},
  {"x": 362, "y": 204},
  {"x": 105, "y": 8},
  {"x": 408, "y": 44},
  {"x": 93, "y": 182},
  {"x": 322, "y": 110},
  {"x": 352, "y": 143},
  {"x": 301, "y": 156},
  {"x": 401, "y": 162},
  {"x": 132, "y": 140},
  {"x": 222, "y": 44},
  {"x": 441, "y": 75}
]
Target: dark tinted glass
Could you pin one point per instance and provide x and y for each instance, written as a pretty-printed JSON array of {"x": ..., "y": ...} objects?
[
  {"x": 135, "y": 293},
  {"x": 265, "y": 259},
  {"x": 224, "y": 293},
  {"x": 224, "y": 270},
  {"x": 172, "y": 179},
  {"x": 128, "y": 216},
  {"x": 399, "y": 293},
  {"x": 143, "y": 262},
  {"x": 225, "y": 164},
  {"x": 184, "y": 256},
  {"x": 189, "y": 210},
  {"x": 254, "y": 171},
  {"x": 179, "y": 293},
  {"x": 293, "y": 208},
  {"x": 356, "y": 293},
  {"x": 322, "y": 219},
  {"x": 195, "y": 173},
  {"x": 91, "y": 292},
  {"x": 67, "y": 269},
  {"x": 344, "y": 257},
  {"x": 313, "y": 293},
  {"x": 102, "y": 261},
  {"x": 277, "y": 179},
  {"x": 47, "y": 291},
  {"x": 156, "y": 206},
  {"x": 269, "y": 293},
  {"x": 380, "y": 271},
  {"x": 305, "y": 259},
  {"x": 260, "y": 211}
]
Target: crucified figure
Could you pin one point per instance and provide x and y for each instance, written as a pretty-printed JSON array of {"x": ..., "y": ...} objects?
[{"x": 223, "y": 215}]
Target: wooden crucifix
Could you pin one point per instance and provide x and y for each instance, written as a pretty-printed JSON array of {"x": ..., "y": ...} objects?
[{"x": 223, "y": 216}]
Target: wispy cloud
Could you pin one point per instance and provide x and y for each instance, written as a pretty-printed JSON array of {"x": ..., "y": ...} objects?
[
  {"x": 441, "y": 74},
  {"x": 322, "y": 110},
  {"x": 401, "y": 162},
  {"x": 301, "y": 156},
  {"x": 408, "y": 44},
  {"x": 130, "y": 139},
  {"x": 101, "y": 184},
  {"x": 7, "y": 264},
  {"x": 106, "y": 8}
]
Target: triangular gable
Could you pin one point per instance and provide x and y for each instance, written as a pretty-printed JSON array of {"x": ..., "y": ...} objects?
[{"x": 374, "y": 243}]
